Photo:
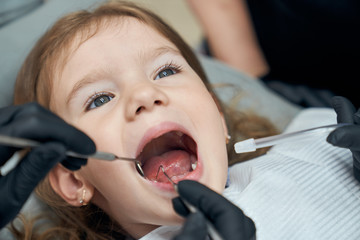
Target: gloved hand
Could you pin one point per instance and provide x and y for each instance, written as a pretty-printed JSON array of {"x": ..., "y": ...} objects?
[
  {"x": 227, "y": 218},
  {"x": 35, "y": 122},
  {"x": 347, "y": 136}
]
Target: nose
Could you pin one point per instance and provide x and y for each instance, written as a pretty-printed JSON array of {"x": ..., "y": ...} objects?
[{"x": 144, "y": 98}]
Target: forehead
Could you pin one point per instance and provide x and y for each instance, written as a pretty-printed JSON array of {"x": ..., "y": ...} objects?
[
  {"x": 121, "y": 31},
  {"x": 113, "y": 32}
]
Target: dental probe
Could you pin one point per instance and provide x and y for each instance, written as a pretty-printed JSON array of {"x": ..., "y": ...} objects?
[
  {"x": 213, "y": 233},
  {"x": 251, "y": 144},
  {"x": 23, "y": 143}
]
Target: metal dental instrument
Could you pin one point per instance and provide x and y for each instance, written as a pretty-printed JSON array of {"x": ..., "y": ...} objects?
[
  {"x": 23, "y": 143},
  {"x": 213, "y": 233},
  {"x": 251, "y": 144}
]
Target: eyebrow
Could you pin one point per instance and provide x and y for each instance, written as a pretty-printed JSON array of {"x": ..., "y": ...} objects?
[
  {"x": 94, "y": 76},
  {"x": 158, "y": 52},
  {"x": 88, "y": 79}
]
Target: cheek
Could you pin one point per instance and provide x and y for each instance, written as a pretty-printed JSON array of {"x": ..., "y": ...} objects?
[
  {"x": 213, "y": 142},
  {"x": 205, "y": 109},
  {"x": 198, "y": 98},
  {"x": 104, "y": 129},
  {"x": 117, "y": 192},
  {"x": 107, "y": 178}
]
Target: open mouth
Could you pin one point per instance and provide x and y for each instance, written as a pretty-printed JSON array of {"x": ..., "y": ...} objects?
[{"x": 175, "y": 151}]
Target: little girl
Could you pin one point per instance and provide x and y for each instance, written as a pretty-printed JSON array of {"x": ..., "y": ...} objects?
[{"x": 127, "y": 80}]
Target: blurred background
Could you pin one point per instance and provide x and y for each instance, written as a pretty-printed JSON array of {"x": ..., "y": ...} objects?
[
  {"x": 175, "y": 12},
  {"x": 180, "y": 17},
  {"x": 307, "y": 51}
]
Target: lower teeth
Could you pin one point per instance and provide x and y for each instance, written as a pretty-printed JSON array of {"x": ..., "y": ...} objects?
[{"x": 193, "y": 166}]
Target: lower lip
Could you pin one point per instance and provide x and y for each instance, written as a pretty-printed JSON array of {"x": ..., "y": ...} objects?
[{"x": 194, "y": 175}]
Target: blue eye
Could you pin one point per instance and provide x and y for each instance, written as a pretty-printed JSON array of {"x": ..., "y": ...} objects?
[
  {"x": 165, "y": 73},
  {"x": 167, "y": 70},
  {"x": 98, "y": 100}
]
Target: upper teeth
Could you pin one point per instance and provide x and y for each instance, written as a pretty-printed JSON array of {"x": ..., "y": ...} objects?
[{"x": 180, "y": 134}]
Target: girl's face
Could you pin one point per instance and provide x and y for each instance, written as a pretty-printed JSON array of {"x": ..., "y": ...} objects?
[{"x": 134, "y": 94}]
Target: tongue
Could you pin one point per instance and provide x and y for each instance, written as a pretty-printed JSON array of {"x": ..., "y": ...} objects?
[{"x": 175, "y": 163}]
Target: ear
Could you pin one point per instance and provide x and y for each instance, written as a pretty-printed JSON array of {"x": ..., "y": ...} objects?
[{"x": 71, "y": 186}]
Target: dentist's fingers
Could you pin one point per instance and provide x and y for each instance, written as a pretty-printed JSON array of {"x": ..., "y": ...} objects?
[
  {"x": 357, "y": 117},
  {"x": 179, "y": 207},
  {"x": 17, "y": 185},
  {"x": 344, "y": 109},
  {"x": 194, "y": 228},
  {"x": 35, "y": 122},
  {"x": 227, "y": 218},
  {"x": 346, "y": 137}
]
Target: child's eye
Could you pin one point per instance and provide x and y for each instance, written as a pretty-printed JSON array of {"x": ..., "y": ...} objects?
[
  {"x": 167, "y": 70},
  {"x": 98, "y": 99},
  {"x": 165, "y": 73}
]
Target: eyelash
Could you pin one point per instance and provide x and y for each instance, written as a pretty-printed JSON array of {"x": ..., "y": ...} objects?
[
  {"x": 176, "y": 68},
  {"x": 171, "y": 65},
  {"x": 92, "y": 98}
]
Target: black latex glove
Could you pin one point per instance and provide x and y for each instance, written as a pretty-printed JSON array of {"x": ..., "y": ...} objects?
[
  {"x": 34, "y": 122},
  {"x": 227, "y": 218},
  {"x": 347, "y": 136}
]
